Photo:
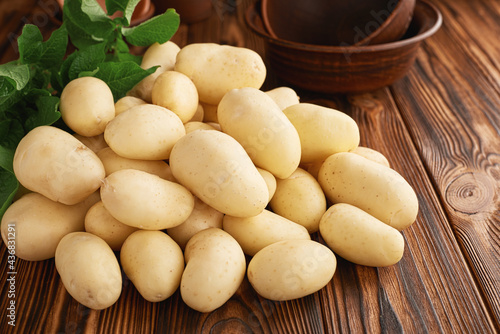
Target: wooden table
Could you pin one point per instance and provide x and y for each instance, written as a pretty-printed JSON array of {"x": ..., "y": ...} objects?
[{"x": 439, "y": 127}]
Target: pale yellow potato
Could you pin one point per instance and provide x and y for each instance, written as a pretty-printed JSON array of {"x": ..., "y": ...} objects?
[
  {"x": 323, "y": 131},
  {"x": 144, "y": 88},
  {"x": 144, "y": 132},
  {"x": 146, "y": 201},
  {"x": 255, "y": 233},
  {"x": 89, "y": 270},
  {"x": 291, "y": 269},
  {"x": 300, "y": 199},
  {"x": 379, "y": 190},
  {"x": 361, "y": 238},
  {"x": 283, "y": 96},
  {"x": 154, "y": 263},
  {"x": 209, "y": 112},
  {"x": 215, "y": 268},
  {"x": 251, "y": 117},
  {"x": 127, "y": 102},
  {"x": 113, "y": 162},
  {"x": 371, "y": 154},
  {"x": 193, "y": 126},
  {"x": 216, "y": 69},
  {"x": 33, "y": 225},
  {"x": 217, "y": 170},
  {"x": 199, "y": 114},
  {"x": 163, "y": 55},
  {"x": 95, "y": 143},
  {"x": 270, "y": 181},
  {"x": 55, "y": 164},
  {"x": 215, "y": 125},
  {"x": 202, "y": 217},
  {"x": 314, "y": 167},
  {"x": 87, "y": 105},
  {"x": 176, "y": 92},
  {"x": 100, "y": 222}
]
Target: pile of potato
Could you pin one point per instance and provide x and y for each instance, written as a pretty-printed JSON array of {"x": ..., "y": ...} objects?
[{"x": 196, "y": 171}]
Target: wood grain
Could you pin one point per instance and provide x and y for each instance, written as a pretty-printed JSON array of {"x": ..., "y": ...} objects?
[{"x": 439, "y": 127}]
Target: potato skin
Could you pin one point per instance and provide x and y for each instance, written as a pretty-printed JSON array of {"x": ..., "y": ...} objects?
[
  {"x": 291, "y": 269},
  {"x": 154, "y": 263},
  {"x": 283, "y": 96},
  {"x": 361, "y": 238},
  {"x": 378, "y": 190},
  {"x": 89, "y": 270},
  {"x": 215, "y": 268},
  {"x": 55, "y": 164}
]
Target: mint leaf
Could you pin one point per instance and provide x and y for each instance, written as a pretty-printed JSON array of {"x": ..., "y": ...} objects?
[
  {"x": 93, "y": 10},
  {"x": 122, "y": 76},
  {"x": 87, "y": 59},
  {"x": 157, "y": 29},
  {"x": 19, "y": 75},
  {"x": 8, "y": 189},
  {"x": 125, "y": 6}
]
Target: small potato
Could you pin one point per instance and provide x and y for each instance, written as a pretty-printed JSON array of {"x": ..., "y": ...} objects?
[
  {"x": 202, "y": 217},
  {"x": 33, "y": 225},
  {"x": 209, "y": 112},
  {"x": 216, "y": 69},
  {"x": 300, "y": 199},
  {"x": 89, "y": 270},
  {"x": 176, "y": 92},
  {"x": 214, "y": 125},
  {"x": 323, "y": 131},
  {"x": 270, "y": 181},
  {"x": 87, "y": 105},
  {"x": 146, "y": 201},
  {"x": 215, "y": 268},
  {"x": 361, "y": 238},
  {"x": 55, "y": 164},
  {"x": 154, "y": 263},
  {"x": 100, "y": 222},
  {"x": 251, "y": 117},
  {"x": 95, "y": 143},
  {"x": 217, "y": 170},
  {"x": 162, "y": 55},
  {"x": 371, "y": 154},
  {"x": 193, "y": 126},
  {"x": 378, "y": 190},
  {"x": 113, "y": 162},
  {"x": 144, "y": 132},
  {"x": 291, "y": 269},
  {"x": 283, "y": 96},
  {"x": 144, "y": 88},
  {"x": 127, "y": 102},
  {"x": 255, "y": 233},
  {"x": 199, "y": 114}
]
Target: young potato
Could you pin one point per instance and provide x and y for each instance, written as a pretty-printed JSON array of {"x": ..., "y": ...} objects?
[
  {"x": 300, "y": 199},
  {"x": 144, "y": 88},
  {"x": 113, "y": 162},
  {"x": 175, "y": 91},
  {"x": 379, "y": 190},
  {"x": 95, "y": 143},
  {"x": 38, "y": 224},
  {"x": 323, "y": 131},
  {"x": 361, "y": 238},
  {"x": 87, "y": 105},
  {"x": 216, "y": 69},
  {"x": 163, "y": 55},
  {"x": 144, "y": 132},
  {"x": 371, "y": 154},
  {"x": 146, "y": 201},
  {"x": 291, "y": 269},
  {"x": 283, "y": 96},
  {"x": 127, "y": 102},
  {"x": 270, "y": 181},
  {"x": 89, "y": 270},
  {"x": 215, "y": 268},
  {"x": 199, "y": 114},
  {"x": 202, "y": 217},
  {"x": 193, "y": 126},
  {"x": 100, "y": 222},
  {"x": 251, "y": 117},
  {"x": 217, "y": 170},
  {"x": 154, "y": 263},
  {"x": 255, "y": 233},
  {"x": 52, "y": 162}
]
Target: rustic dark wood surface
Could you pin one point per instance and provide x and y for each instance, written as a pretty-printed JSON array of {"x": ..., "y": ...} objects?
[{"x": 439, "y": 127}]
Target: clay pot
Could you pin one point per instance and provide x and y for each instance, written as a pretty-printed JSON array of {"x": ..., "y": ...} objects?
[{"x": 190, "y": 11}]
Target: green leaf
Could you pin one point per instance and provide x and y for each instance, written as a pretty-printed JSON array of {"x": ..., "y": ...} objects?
[
  {"x": 30, "y": 44},
  {"x": 157, "y": 29},
  {"x": 125, "y": 6},
  {"x": 122, "y": 76},
  {"x": 54, "y": 49},
  {"x": 6, "y": 158},
  {"x": 8, "y": 189},
  {"x": 11, "y": 132},
  {"x": 19, "y": 75},
  {"x": 87, "y": 59},
  {"x": 47, "y": 113},
  {"x": 93, "y": 10},
  {"x": 8, "y": 94}
]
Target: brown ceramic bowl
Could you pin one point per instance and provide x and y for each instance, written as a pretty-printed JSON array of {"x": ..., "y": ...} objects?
[
  {"x": 337, "y": 23},
  {"x": 336, "y": 69}
]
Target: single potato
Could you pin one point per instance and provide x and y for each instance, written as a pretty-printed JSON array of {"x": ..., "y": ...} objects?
[
  {"x": 291, "y": 269},
  {"x": 87, "y": 105},
  {"x": 270, "y": 181},
  {"x": 371, "y": 154},
  {"x": 89, "y": 270},
  {"x": 215, "y": 268},
  {"x": 361, "y": 238},
  {"x": 154, "y": 263},
  {"x": 127, "y": 102},
  {"x": 284, "y": 96},
  {"x": 95, "y": 143},
  {"x": 193, "y": 126}
]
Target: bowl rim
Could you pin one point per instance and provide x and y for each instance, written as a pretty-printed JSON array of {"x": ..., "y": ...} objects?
[{"x": 436, "y": 15}]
